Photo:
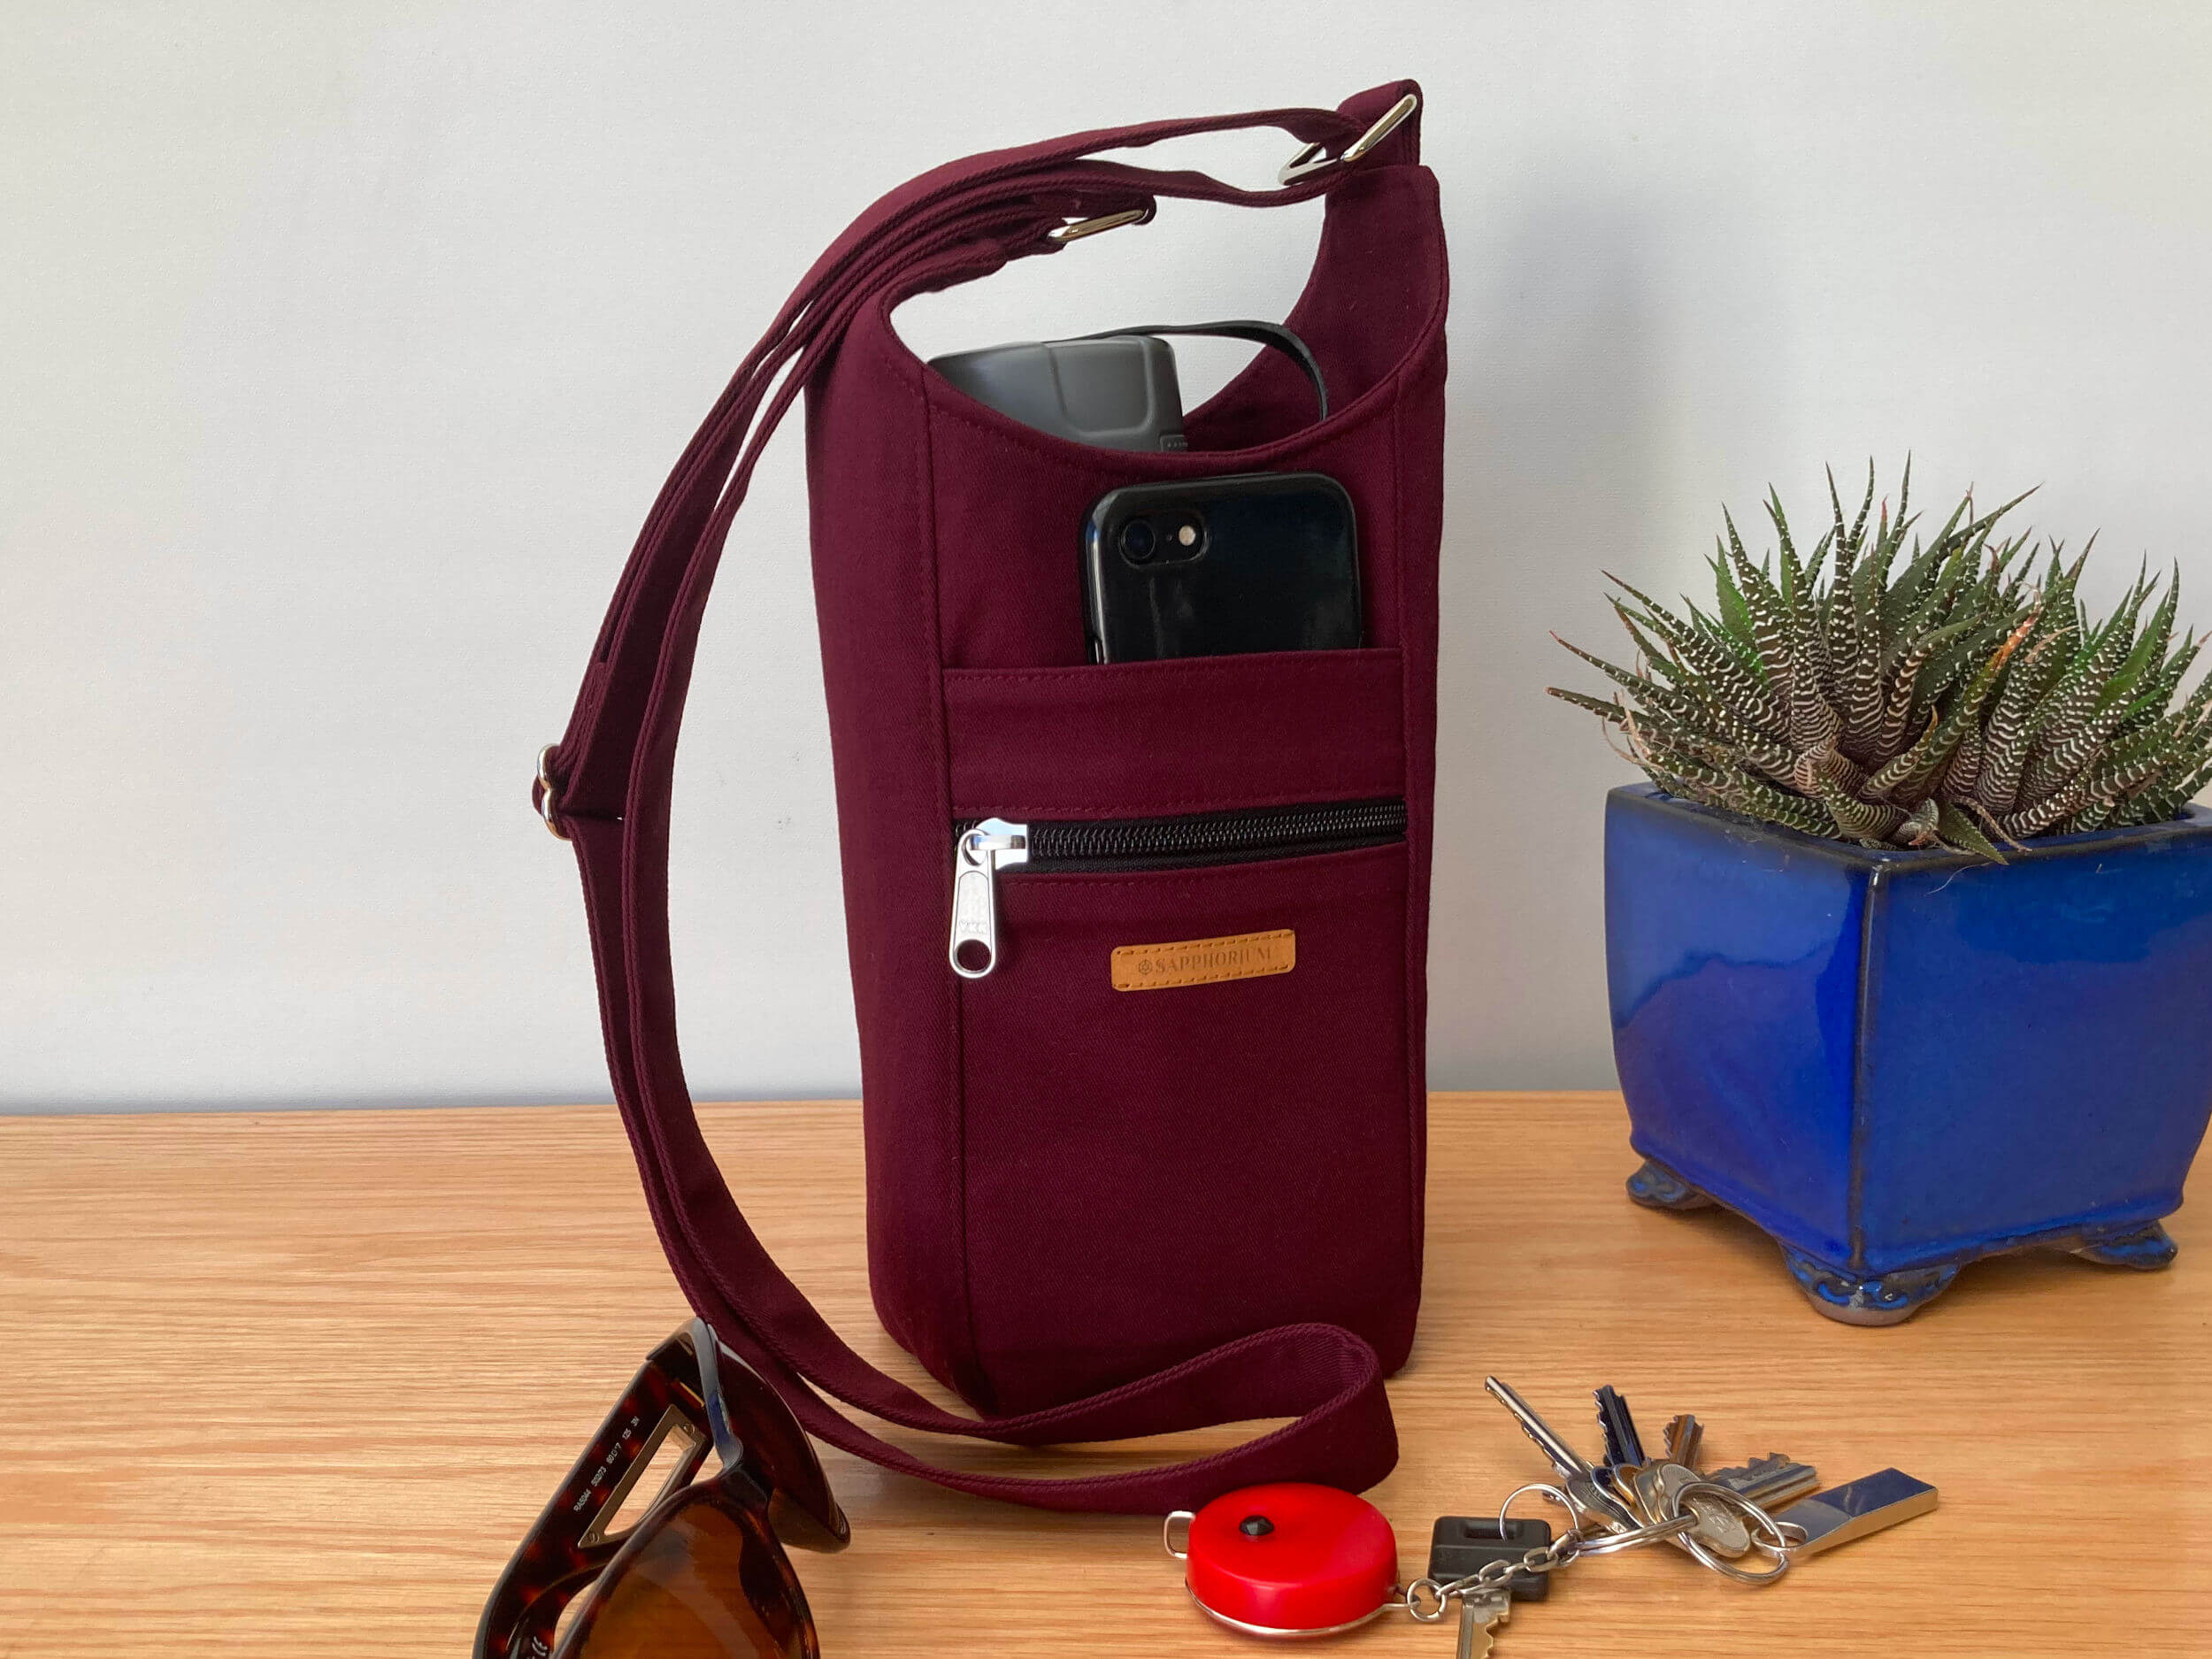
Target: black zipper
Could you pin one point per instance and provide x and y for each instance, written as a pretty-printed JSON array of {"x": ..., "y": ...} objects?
[
  {"x": 1207, "y": 838},
  {"x": 983, "y": 848}
]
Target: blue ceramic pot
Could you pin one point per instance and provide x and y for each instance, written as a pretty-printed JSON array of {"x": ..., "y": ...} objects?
[{"x": 1893, "y": 1063}]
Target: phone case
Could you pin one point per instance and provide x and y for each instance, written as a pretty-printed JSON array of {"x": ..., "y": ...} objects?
[{"x": 1220, "y": 566}]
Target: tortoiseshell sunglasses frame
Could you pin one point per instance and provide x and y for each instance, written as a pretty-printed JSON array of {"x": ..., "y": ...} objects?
[{"x": 768, "y": 1461}]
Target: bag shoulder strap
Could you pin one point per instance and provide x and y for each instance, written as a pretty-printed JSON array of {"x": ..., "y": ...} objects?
[{"x": 606, "y": 787}]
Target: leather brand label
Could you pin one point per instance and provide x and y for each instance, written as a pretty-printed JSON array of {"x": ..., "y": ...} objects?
[{"x": 1204, "y": 961}]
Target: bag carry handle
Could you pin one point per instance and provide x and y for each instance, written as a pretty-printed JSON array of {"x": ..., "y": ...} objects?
[{"x": 606, "y": 789}]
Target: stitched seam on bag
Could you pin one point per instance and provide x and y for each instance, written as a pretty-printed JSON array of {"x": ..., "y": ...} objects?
[
  {"x": 1372, "y": 656},
  {"x": 1415, "y": 1140},
  {"x": 1271, "y": 454},
  {"x": 1088, "y": 810},
  {"x": 972, "y": 1370},
  {"x": 1190, "y": 881}
]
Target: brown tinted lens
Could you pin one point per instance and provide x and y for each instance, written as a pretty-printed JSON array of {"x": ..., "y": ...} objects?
[{"x": 708, "y": 1582}]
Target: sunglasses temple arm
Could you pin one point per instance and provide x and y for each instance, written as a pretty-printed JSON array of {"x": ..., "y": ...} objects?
[
  {"x": 566, "y": 1545},
  {"x": 707, "y": 1346}
]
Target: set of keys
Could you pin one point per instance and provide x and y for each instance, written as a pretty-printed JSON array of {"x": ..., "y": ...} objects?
[
  {"x": 1764, "y": 1509},
  {"x": 1297, "y": 1560}
]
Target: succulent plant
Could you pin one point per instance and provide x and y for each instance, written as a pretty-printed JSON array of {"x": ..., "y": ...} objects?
[{"x": 1959, "y": 696}]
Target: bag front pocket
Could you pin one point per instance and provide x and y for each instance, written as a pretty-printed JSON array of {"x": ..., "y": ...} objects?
[
  {"x": 1188, "y": 1114},
  {"x": 1179, "y": 736},
  {"x": 983, "y": 848}
]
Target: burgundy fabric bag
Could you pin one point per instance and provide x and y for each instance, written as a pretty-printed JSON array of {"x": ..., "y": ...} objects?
[{"x": 1095, "y": 1212}]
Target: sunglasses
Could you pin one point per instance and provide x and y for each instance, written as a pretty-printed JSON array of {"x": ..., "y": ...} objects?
[{"x": 702, "y": 1574}]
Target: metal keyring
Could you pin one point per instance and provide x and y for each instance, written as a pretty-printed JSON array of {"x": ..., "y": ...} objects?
[
  {"x": 1636, "y": 1537},
  {"x": 1557, "y": 1495},
  {"x": 1779, "y": 1546},
  {"x": 1414, "y": 1594}
]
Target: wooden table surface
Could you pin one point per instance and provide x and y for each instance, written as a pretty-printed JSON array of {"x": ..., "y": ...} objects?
[{"x": 294, "y": 1383}]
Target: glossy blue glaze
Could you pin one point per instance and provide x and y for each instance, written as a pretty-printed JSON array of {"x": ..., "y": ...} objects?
[{"x": 1895, "y": 1061}]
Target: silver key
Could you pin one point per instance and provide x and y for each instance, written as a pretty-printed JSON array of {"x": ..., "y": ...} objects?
[
  {"x": 1770, "y": 1481},
  {"x": 1576, "y": 1473},
  {"x": 1625, "y": 1451},
  {"x": 1480, "y": 1613},
  {"x": 1720, "y": 1528}
]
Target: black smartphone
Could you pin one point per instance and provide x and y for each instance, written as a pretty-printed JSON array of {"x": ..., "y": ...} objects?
[{"x": 1214, "y": 566}]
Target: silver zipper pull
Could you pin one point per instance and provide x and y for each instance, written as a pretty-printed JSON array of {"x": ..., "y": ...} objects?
[{"x": 976, "y": 858}]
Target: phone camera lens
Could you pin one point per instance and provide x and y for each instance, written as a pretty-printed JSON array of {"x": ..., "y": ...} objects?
[{"x": 1139, "y": 542}]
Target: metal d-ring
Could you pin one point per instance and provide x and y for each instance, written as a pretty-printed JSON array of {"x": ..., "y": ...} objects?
[
  {"x": 1082, "y": 227},
  {"x": 1167, "y": 1533},
  {"x": 1314, "y": 158},
  {"x": 546, "y": 808}
]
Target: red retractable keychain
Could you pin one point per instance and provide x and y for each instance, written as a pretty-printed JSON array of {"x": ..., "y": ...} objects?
[{"x": 1288, "y": 1560}]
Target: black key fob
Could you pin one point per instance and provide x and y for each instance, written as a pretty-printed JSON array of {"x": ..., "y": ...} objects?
[{"x": 1461, "y": 1545}]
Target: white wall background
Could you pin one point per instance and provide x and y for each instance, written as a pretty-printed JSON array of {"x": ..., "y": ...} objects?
[{"x": 344, "y": 346}]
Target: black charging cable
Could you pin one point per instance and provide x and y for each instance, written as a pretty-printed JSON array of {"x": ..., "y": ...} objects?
[{"x": 1273, "y": 335}]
